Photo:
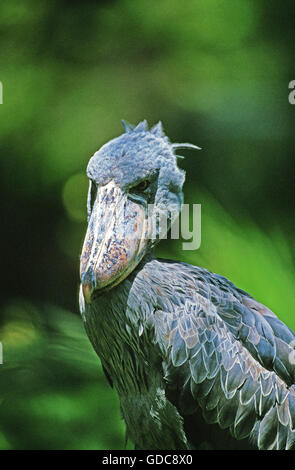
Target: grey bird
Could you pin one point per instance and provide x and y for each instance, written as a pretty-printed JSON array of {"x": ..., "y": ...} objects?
[{"x": 196, "y": 361}]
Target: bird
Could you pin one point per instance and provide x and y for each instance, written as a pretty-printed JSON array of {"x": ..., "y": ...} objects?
[{"x": 197, "y": 362}]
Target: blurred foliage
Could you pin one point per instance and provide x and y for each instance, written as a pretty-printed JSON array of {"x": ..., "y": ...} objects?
[
  {"x": 216, "y": 73},
  {"x": 53, "y": 395}
]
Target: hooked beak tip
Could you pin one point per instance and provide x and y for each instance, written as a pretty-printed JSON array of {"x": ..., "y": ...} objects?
[{"x": 86, "y": 289}]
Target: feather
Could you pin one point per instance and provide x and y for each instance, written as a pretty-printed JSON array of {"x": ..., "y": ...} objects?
[
  {"x": 203, "y": 389},
  {"x": 211, "y": 400},
  {"x": 157, "y": 130},
  {"x": 248, "y": 390},
  {"x": 235, "y": 378},
  {"x": 268, "y": 430},
  {"x": 127, "y": 126},
  {"x": 185, "y": 145},
  {"x": 282, "y": 435},
  {"x": 197, "y": 367},
  {"x": 245, "y": 420},
  {"x": 291, "y": 402},
  {"x": 226, "y": 413},
  {"x": 178, "y": 353},
  {"x": 281, "y": 331},
  {"x": 213, "y": 364},
  {"x": 266, "y": 384},
  {"x": 283, "y": 413},
  {"x": 141, "y": 127},
  {"x": 210, "y": 415},
  {"x": 290, "y": 440},
  {"x": 266, "y": 402}
]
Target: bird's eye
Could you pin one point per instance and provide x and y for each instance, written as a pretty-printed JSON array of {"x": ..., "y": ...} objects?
[{"x": 142, "y": 186}]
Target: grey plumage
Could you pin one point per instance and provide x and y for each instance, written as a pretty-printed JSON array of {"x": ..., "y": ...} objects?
[{"x": 197, "y": 362}]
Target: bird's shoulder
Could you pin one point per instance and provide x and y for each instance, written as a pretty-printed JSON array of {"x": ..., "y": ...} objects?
[
  {"x": 222, "y": 351},
  {"x": 190, "y": 302}
]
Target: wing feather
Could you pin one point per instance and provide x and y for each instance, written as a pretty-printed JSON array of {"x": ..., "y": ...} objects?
[
  {"x": 231, "y": 355},
  {"x": 238, "y": 372}
]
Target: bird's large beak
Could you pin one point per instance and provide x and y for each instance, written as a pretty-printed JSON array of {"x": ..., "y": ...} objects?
[{"x": 115, "y": 241}]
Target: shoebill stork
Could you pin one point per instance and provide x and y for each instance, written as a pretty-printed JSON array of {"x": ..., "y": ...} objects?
[{"x": 196, "y": 361}]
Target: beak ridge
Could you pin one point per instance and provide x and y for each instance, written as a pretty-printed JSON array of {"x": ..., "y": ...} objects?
[{"x": 115, "y": 240}]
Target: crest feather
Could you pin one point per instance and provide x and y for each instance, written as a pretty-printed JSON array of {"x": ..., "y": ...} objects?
[
  {"x": 127, "y": 126},
  {"x": 157, "y": 130},
  {"x": 185, "y": 145},
  {"x": 142, "y": 126}
]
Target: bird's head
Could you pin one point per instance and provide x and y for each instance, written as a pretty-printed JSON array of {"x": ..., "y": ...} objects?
[{"x": 135, "y": 192}]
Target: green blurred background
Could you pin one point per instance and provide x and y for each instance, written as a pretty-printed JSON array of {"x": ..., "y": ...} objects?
[{"x": 216, "y": 73}]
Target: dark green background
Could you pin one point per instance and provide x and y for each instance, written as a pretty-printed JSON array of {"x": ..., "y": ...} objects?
[{"x": 216, "y": 73}]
